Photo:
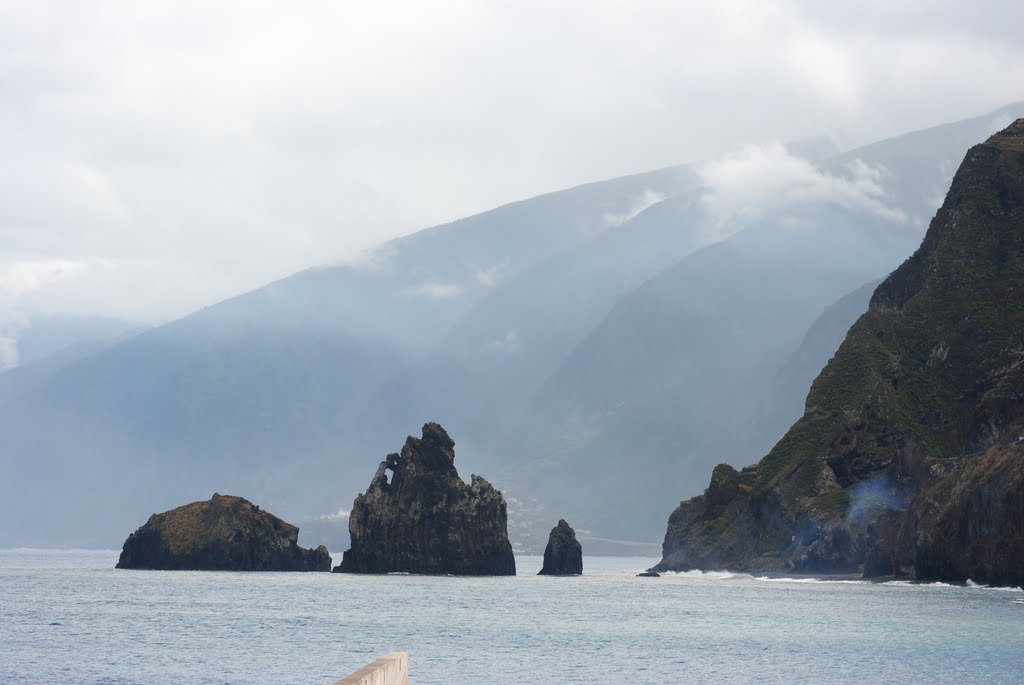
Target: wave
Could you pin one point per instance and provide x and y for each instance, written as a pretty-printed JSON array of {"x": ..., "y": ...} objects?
[
  {"x": 914, "y": 583},
  {"x": 971, "y": 583},
  {"x": 824, "y": 581},
  {"x": 939, "y": 584},
  {"x": 711, "y": 575},
  {"x": 724, "y": 575}
]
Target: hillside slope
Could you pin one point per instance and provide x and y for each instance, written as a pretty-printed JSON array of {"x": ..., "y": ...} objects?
[
  {"x": 693, "y": 367},
  {"x": 908, "y": 459},
  {"x": 494, "y": 325},
  {"x": 266, "y": 393}
]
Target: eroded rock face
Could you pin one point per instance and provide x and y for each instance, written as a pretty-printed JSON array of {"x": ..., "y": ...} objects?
[
  {"x": 977, "y": 530},
  {"x": 425, "y": 519},
  {"x": 226, "y": 533},
  {"x": 563, "y": 555},
  {"x": 909, "y": 459}
]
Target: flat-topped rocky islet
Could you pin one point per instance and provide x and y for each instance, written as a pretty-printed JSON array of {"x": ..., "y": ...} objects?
[{"x": 225, "y": 533}]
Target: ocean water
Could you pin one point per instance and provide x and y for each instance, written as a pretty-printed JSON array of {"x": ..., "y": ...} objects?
[{"x": 69, "y": 617}]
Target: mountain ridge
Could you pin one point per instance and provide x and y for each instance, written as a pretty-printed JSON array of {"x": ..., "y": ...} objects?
[
  {"x": 907, "y": 460},
  {"x": 280, "y": 392}
]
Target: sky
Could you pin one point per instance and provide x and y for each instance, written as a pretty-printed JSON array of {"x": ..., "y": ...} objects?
[{"x": 157, "y": 157}]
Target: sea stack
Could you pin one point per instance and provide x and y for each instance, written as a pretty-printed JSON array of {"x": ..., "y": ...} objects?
[
  {"x": 909, "y": 458},
  {"x": 425, "y": 519},
  {"x": 226, "y": 533},
  {"x": 563, "y": 555}
]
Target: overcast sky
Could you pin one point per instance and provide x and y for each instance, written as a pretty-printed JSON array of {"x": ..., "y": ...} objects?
[{"x": 159, "y": 156}]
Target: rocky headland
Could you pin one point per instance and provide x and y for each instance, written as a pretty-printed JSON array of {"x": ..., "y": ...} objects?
[
  {"x": 225, "y": 533},
  {"x": 425, "y": 519},
  {"x": 909, "y": 458},
  {"x": 563, "y": 555}
]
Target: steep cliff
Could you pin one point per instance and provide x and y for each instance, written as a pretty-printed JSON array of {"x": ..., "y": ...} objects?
[
  {"x": 226, "y": 533},
  {"x": 908, "y": 458},
  {"x": 425, "y": 519}
]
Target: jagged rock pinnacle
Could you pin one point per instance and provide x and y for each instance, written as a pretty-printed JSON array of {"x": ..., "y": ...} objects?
[{"x": 425, "y": 519}]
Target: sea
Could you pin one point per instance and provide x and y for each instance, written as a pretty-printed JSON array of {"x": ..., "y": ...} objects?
[{"x": 70, "y": 617}]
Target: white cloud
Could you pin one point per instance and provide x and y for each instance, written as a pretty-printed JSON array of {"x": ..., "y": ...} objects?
[
  {"x": 8, "y": 353},
  {"x": 761, "y": 178},
  {"x": 638, "y": 204},
  {"x": 508, "y": 343},
  {"x": 434, "y": 290},
  {"x": 28, "y": 276},
  {"x": 213, "y": 147},
  {"x": 21, "y": 279},
  {"x": 491, "y": 275},
  {"x": 342, "y": 513},
  {"x": 938, "y": 193},
  {"x": 372, "y": 258}
]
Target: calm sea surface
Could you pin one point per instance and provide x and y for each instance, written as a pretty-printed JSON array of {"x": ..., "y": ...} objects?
[{"x": 69, "y": 617}]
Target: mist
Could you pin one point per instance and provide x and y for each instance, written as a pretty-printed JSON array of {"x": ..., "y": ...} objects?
[
  {"x": 249, "y": 249},
  {"x": 170, "y": 155}
]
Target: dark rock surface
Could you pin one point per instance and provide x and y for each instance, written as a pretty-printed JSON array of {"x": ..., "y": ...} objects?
[
  {"x": 563, "y": 555},
  {"x": 909, "y": 458},
  {"x": 226, "y": 533},
  {"x": 425, "y": 519}
]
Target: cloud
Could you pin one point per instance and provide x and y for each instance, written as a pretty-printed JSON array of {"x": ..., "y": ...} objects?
[
  {"x": 140, "y": 286},
  {"x": 8, "y": 352},
  {"x": 28, "y": 276},
  {"x": 491, "y": 275},
  {"x": 872, "y": 496},
  {"x": 637, "y": 204},
  {"x": 342, "y": 513},
  {"x": 947, "y": 168},
  {"x": 371, "y": 259},
  {"x": 508, "y": 343},
  {"x": 20, "y": 280},
  {"x": 24, "y": 281},
  {"x": 212, "y": 148},
  {"x": 762, "y": 178},
  {"x": 434, "y": 290}
]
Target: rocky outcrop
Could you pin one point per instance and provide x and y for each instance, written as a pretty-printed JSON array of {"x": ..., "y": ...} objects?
[
  {"x": 563, "y": 555},
  {"x": 974, "y": 522},
  {"x": 909, "y": 458},
  {"x": 226, "y": 533},
  {"x": 425, "y": 519}
]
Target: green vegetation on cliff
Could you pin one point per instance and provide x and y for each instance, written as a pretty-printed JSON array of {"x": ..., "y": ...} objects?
[{"x": 906, "y": 461}]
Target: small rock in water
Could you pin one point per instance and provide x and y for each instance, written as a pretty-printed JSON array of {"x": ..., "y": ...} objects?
[{"x": 564, "y": 555}]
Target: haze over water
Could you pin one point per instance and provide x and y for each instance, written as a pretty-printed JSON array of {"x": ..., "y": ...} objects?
[{"x": 69, "y": 617}]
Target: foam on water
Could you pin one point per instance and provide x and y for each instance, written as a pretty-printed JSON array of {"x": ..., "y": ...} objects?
[
  {"x": 823, "y": 581},
  {"x": 972, "y": 584},
  {"x": 710, "y": 575},
  {"x": 914, "y": 583}
]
